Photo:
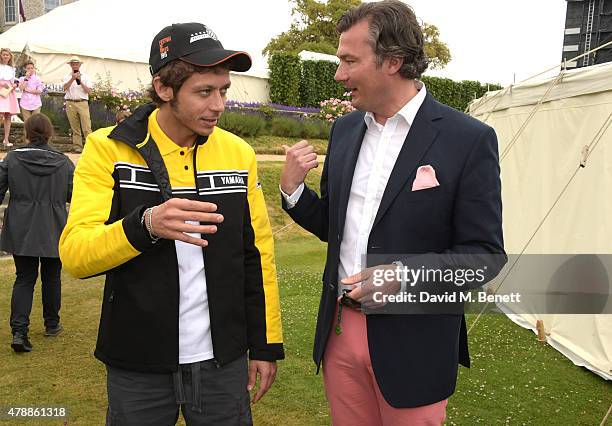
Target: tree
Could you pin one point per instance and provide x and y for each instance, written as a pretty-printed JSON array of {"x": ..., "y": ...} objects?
[
  {"x": 435, "y": 49},
  {"x": 314, "y": 29}
]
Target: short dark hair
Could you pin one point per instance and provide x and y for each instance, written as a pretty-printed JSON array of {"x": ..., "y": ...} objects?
[
  {"x": 29, "y": 62},
  {"x": 394, "y": 32},
  {"x": 174, "y": 75},
  {"x": 38, "y": 129}
]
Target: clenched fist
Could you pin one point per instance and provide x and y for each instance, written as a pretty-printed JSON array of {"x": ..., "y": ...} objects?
[{"x": 299, "y": 160}]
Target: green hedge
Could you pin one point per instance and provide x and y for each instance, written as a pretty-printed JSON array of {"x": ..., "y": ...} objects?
[
  {"x": 246, "y": 125},
  {"x": 285, "y": 75},
  {"x": 307, "y": 83},
  {"x": 457, "y": 94},
  {"x": 317, "y": 83}
]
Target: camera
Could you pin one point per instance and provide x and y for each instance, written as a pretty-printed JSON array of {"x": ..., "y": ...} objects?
[{"x": 78, "y": 80}]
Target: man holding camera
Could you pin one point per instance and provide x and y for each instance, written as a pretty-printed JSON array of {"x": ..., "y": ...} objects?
[{"x": 77, "y": 86}]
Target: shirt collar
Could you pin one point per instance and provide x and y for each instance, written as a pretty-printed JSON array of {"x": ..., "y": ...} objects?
[
  {"x": 164, "y": 143},
  {"x": 408, "y": 112}
]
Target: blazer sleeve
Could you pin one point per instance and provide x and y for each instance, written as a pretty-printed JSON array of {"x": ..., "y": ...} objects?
[
  {"x": 311, "y": 211},
  {"x": 264, "y": 329}
]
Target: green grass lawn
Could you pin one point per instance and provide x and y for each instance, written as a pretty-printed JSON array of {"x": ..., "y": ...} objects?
[
  {"x": 274, "y": 144},
  {"x": 514, "y": 379}
]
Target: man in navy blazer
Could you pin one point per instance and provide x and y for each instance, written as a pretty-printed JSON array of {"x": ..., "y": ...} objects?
[{"x": 403, "y": 175}]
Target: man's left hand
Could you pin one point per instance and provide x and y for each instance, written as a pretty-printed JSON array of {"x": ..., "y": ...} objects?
[
  {"x": 370, "y": 281},
  {"x": 267, "y": 373}
]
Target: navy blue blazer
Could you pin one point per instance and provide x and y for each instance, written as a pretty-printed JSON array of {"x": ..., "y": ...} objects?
[{"x": 415, "y": 357}]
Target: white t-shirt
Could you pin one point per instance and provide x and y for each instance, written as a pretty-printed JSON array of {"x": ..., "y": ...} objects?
[{"x": 195, "y": 341}]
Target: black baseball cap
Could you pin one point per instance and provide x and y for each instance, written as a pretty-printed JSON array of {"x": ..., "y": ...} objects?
[{"x": 196, "y": 44}]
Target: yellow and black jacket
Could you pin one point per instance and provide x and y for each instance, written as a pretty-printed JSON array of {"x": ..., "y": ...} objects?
[{"x": 124, "y": 170}]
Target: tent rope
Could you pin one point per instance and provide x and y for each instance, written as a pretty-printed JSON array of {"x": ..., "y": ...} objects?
[
  {"x": 535, "y": 109},
  {"x": 603, "y": 421},
  {"x": 508, "y": 89},
  {"x": 591, "y": 147},
  {"x": 499, "y": 94},
  {"x": 569, "y": 60},
  {"x": 283, "y": 228},
  {"x": 562, "y": 65}
]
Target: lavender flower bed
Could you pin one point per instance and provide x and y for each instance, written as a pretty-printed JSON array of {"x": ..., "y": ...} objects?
[
  {"x": 100, "y": 115},
  {"x": 277, "y": 109}
]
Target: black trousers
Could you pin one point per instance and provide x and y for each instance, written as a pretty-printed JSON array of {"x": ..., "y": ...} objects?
[
  {"x": 207, "y": 395},
  {"x": 23, "y": 291}
]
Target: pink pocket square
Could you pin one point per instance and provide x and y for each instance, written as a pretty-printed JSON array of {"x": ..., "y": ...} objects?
[{"x": 425, "y": 178}]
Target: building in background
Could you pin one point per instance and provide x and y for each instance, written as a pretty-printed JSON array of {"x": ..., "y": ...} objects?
[
  {"x": 588, "y": 24},
  {"x": 31, "y": 9}
]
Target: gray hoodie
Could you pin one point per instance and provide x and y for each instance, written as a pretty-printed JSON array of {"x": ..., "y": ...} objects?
[{"x": 39, "y": 180}]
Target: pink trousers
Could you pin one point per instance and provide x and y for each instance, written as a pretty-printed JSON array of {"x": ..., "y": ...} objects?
[{"x": 351, "y": 388}]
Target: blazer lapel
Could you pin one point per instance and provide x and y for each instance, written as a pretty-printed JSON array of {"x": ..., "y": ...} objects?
[
  {"x": 421, "y": 135},
  {"x": 351, "y": 145}
]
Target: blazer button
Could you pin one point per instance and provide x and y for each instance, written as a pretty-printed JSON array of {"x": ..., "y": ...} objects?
[{"x": 331, "y": 286}]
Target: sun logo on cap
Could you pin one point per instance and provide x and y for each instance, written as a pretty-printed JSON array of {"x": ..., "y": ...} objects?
[{"x": 163, "y": 49}]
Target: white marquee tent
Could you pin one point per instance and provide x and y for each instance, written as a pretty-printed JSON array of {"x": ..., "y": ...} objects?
[
  {"x": 114, "y": 36},
  {"x": 552, "y": 205}
]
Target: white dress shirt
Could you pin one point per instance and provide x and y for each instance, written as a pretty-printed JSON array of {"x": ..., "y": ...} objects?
[
  {"x": 379, "y": 150},
  {"x": 75, "y": 92}
]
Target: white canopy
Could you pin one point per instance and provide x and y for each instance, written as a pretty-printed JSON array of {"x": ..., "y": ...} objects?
[
  {"x": 307, "y": 55},
  {"x": 552, "y": 205},
  {"x": 115, "y": 36}
]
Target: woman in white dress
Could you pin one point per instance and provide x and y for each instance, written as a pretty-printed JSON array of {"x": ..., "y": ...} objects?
[{"x": 8, "y": 100}]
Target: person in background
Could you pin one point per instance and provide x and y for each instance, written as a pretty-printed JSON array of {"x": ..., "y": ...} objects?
[
  {"x": 31, "y": 87},
  {"x": 77, "y": 86},
  {"x": 8, "y": 100},
  {"x": 39, "y": 179}
]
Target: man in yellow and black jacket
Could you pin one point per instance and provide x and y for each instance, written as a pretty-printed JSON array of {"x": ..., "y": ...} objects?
[{"x": 169, "y": 208}]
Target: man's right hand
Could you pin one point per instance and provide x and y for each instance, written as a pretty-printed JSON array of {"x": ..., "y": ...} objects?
[
  {"x": 299, "y": 160},
  {"x": 168, "y": 220}
]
